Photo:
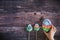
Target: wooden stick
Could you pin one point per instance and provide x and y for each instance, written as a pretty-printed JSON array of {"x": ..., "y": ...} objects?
[
  {"x": 36, "y": 35},
  {"x": 28, "y": 35}
]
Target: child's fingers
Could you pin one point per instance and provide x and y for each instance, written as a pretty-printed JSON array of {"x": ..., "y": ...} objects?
[{"x": 54, "y": 29}]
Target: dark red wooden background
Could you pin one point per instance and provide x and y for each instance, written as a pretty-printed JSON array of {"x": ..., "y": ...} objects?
[{"x": 15, "y": 14}]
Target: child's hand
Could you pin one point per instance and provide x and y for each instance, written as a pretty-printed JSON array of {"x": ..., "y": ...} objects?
[{"x": 51, "y": 34}]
